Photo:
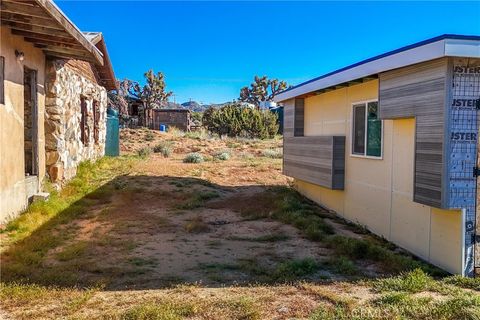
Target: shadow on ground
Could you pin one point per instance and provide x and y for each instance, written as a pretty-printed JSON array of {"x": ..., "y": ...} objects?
[
  {"x": 155, "y": 231},
  {"x": 145, "y": 232}
]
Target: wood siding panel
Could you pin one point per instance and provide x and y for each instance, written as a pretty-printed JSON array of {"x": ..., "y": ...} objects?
[
  {"x": 84, "y": 69},
  {"x": 288, "y": 117},
  {"x": 319, "y": 160},
  {"x": 299, "y": 117},
  {"x": 420, "y": 91}
]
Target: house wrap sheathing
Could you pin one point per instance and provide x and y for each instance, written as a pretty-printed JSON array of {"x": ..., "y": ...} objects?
[
  {"x": 391, "y": 143},
  {"x": 53, "y": 99}
]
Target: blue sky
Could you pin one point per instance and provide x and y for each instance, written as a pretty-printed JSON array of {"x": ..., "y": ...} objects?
[{"x": 209, "y": 50}]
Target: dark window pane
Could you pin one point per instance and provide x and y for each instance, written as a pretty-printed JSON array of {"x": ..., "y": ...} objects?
[
  {"x": 2, "y": 80},
  {"x": 374, "y": 131},
  {"x": 359, "y": 129},
  {"x": 83, "y": 121}
]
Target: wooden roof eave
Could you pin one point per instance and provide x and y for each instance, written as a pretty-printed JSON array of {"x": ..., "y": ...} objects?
[
  {"x": 70, "y": 28},
  {"x": 42, "y": 23},
  {"x": 106, "y": 73}
]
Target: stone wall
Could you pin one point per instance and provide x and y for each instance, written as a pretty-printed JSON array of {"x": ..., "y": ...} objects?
[{"x": 65, "y": 89}]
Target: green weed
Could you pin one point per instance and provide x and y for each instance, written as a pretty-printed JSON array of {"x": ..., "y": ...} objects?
[
  {"x": 412, "y": 282},
  {"x": 295, "y": 269},
  {"x": 342, "y": 265},
  {"x": 367, "y": 249},
  {"x": 463, "y": 282},
  {"x": 72, "y": 251}
]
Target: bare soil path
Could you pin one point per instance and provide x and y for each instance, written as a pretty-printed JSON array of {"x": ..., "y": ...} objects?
[{"x": 221, "y": 239}]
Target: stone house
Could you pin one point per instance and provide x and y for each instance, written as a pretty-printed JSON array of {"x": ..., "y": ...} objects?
[{"x": 53, "y": 99}]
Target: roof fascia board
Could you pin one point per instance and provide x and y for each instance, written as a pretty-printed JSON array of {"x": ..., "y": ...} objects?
[
  {"x": 423, "y": 53},
  {"x": 462, "y": 48},
  {"x": 108, "y": 64}
]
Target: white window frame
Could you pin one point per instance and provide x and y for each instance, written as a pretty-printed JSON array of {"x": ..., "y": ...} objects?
[{"x": 352, "y": 124}]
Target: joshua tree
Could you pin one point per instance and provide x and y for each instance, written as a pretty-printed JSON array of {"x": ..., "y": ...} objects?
[
  {"x": 153, "y": 92},
  {"x": 262, "y": 89}
]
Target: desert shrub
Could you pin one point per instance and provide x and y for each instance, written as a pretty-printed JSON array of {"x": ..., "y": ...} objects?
[
  {"x": 193, "y": 157},
  {"x": 222, "y": 155},
  {"x": 234, "y": 120},
  {"x": 144, "y": 152},
  {"x": 164, "y": 147},
  {"x": 149, "y": 136},
  {"x": 273, "y": 153},
  {"x": 197, "y": 117}
]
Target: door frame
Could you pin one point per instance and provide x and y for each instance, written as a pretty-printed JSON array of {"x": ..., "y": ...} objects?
[{"x": 34, "y": 98}]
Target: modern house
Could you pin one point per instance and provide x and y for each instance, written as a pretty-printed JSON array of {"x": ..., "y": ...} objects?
[
  {"x": 53, "y": 99},
  {"x": 391, "y": 143}
]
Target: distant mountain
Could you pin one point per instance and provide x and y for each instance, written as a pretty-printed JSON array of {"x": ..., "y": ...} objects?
[
  {"x": 191, "y": 105},
  {"x": 197, "y": 107},
  {"x": 171, "y": 105}
]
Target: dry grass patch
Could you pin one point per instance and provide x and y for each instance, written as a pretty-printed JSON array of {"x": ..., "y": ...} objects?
[
  {"x": 197, "y": 199},
  {"x": 117, "y": 225},
  {"x": 272, "y": 237},
  {"x": 196, "y": 225}
]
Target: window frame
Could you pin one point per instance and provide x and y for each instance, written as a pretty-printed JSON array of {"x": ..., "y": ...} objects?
[{"x": 352, "y": 124}]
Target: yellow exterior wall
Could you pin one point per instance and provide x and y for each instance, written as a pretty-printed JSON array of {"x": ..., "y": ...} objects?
[
  {"x": 12, "y": 175},
  {"x": 378, "y": 192}
]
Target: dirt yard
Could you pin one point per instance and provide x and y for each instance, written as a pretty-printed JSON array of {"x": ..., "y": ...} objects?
[{"x": 149, "y": 236}]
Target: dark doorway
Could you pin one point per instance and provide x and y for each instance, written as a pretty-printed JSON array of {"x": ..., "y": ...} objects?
[
  {"x": 30, "y": 119},
  {"x": 84, "y": 122}
]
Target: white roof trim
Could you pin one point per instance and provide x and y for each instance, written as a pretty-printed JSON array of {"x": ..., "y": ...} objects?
[
  {"x": 462, "y": 48},
  {"x": 430, "y": 51}
]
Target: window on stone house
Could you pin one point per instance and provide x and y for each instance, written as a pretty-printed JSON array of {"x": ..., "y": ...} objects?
[
  {"x": 83, "y": 121},
  {"x": 96, "y": 121},
  {"x": 2, "y": 80}
]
